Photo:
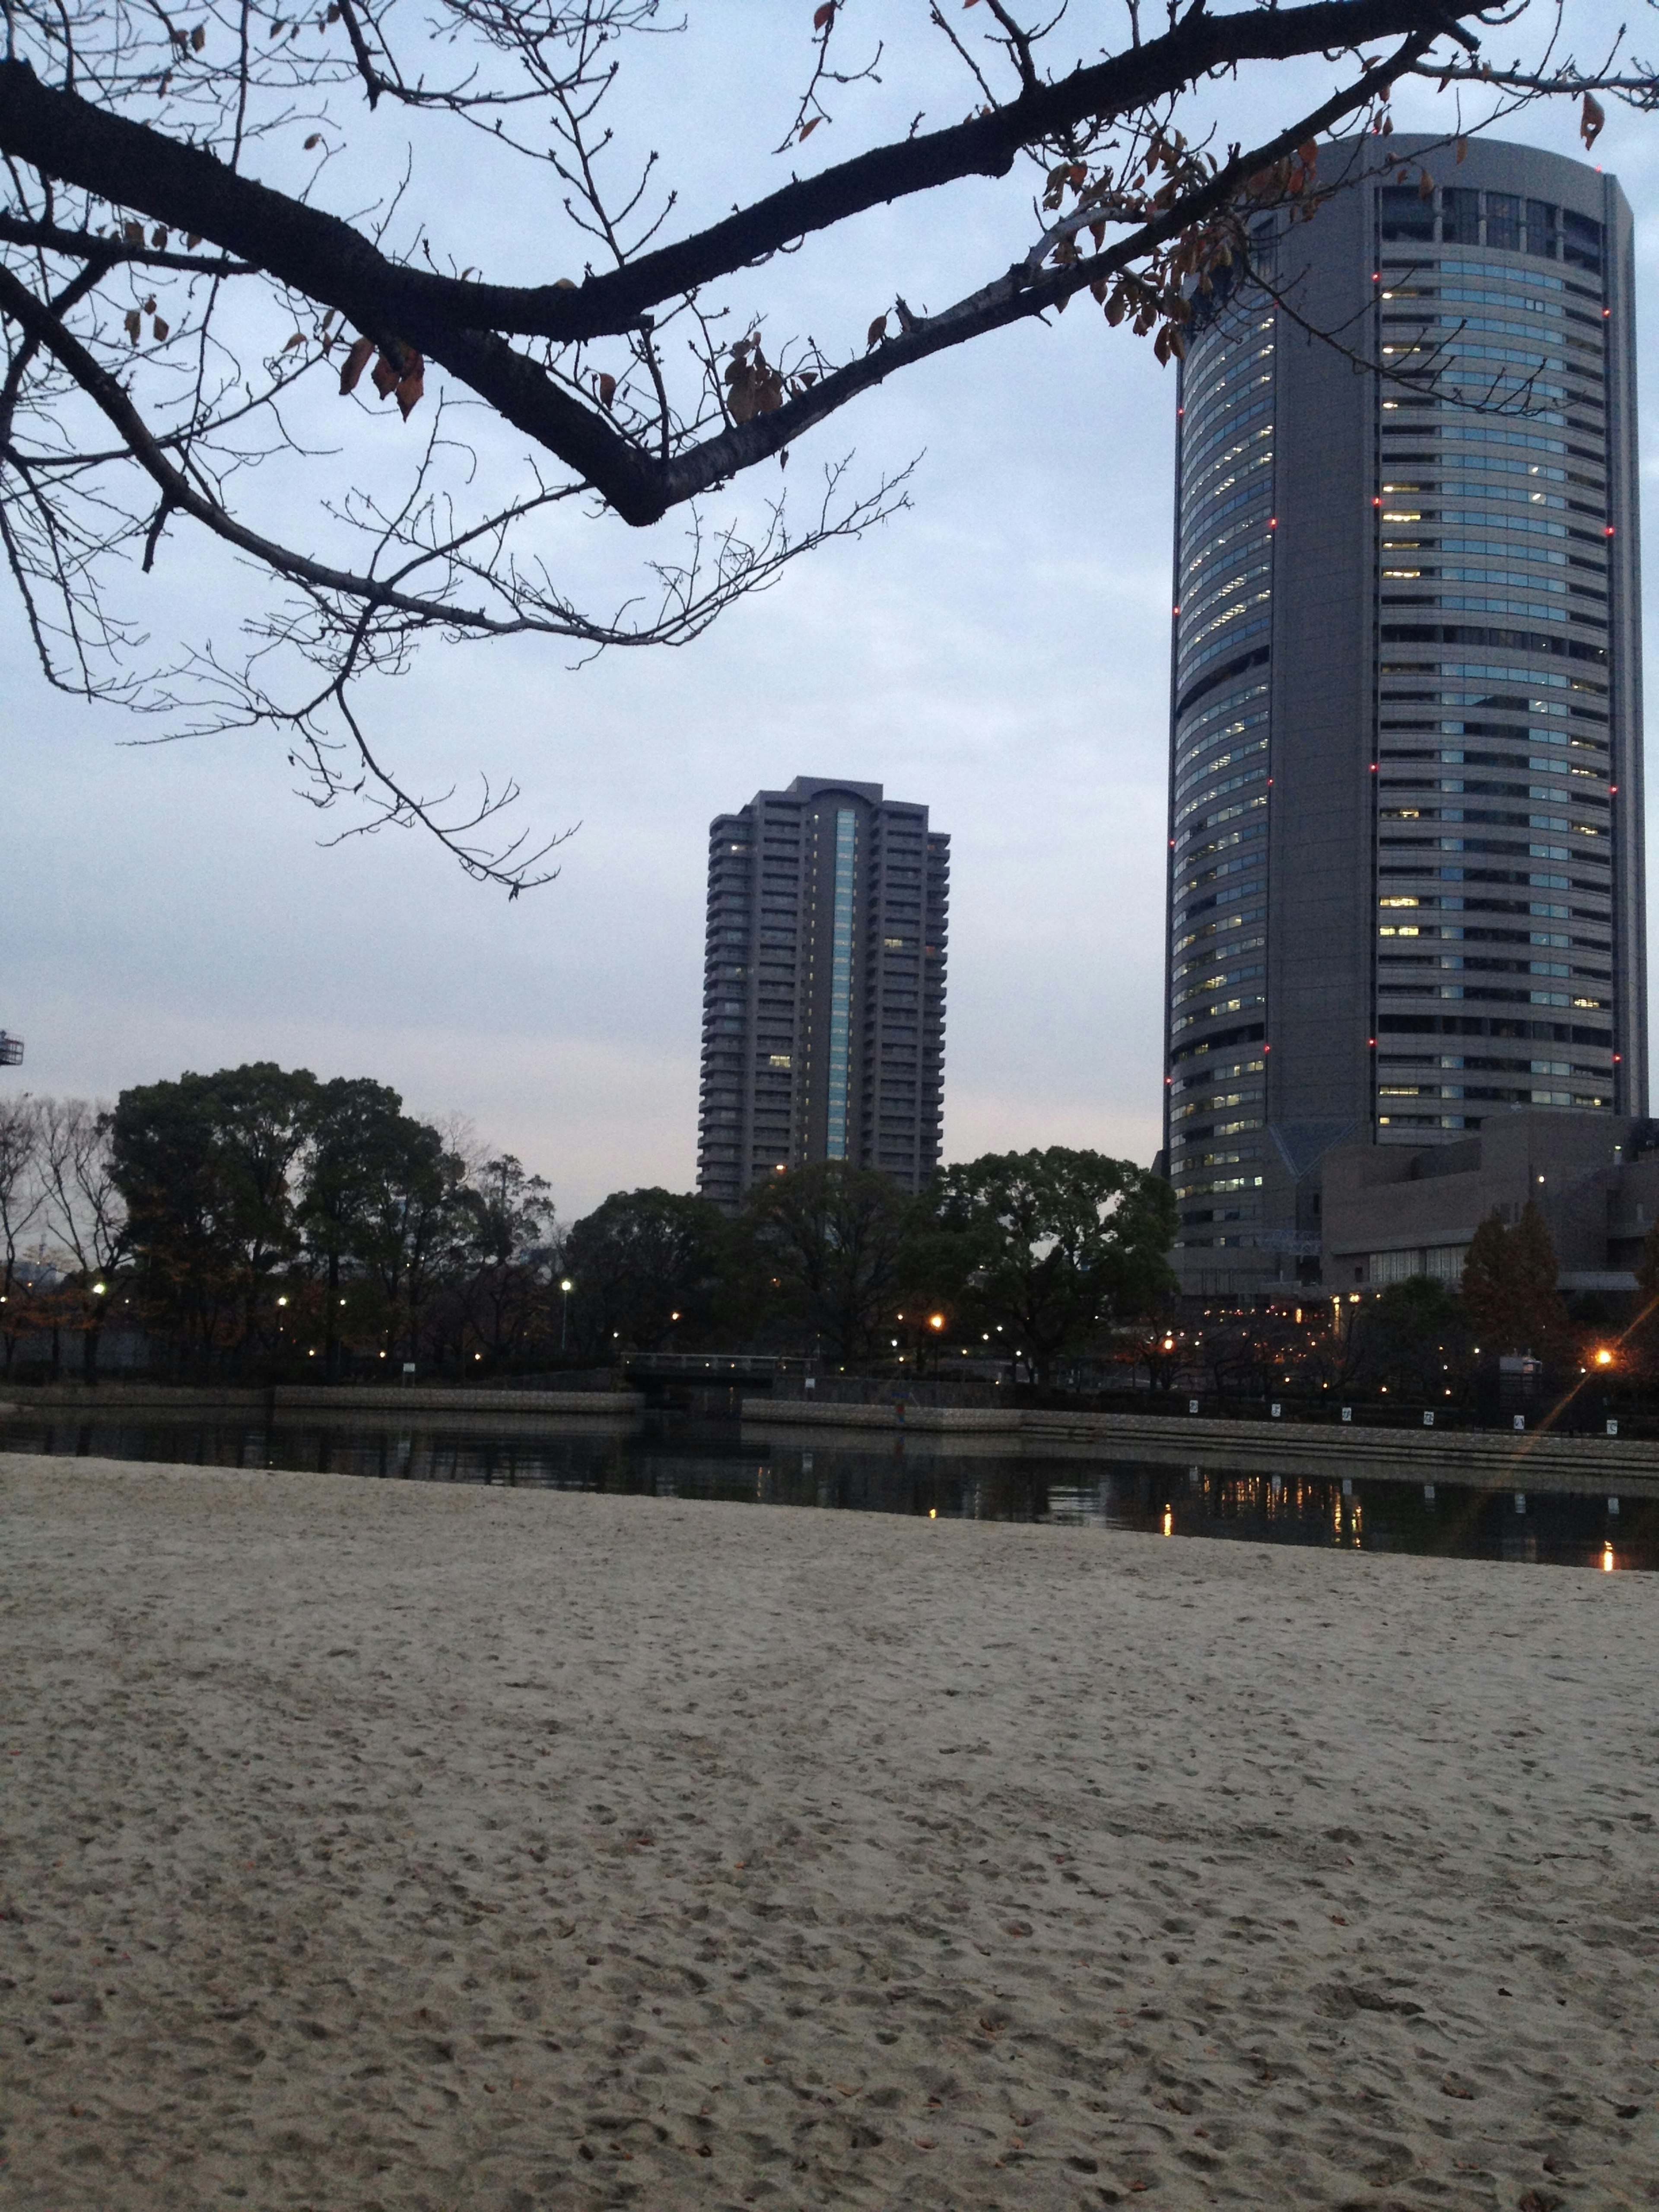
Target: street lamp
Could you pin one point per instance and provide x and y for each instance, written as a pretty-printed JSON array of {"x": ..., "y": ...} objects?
[{"x": 565, "y": 1287}]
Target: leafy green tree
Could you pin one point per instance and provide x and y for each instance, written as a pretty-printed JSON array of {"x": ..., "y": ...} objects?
[
  {"x": 1509, "y": 1284},
  {"x": 510, "y": 1231},
  {"x": 357, "y": 1128},
  {"x": 205, "y": 1167},
  {"x": 412, "y": 1230},
  {"x": 830, "y": 1242},
  {"x": 1416, "y": 1339},
  {"x": 649, "y": 1267},
  {"x": 1059, "y": 1243}
]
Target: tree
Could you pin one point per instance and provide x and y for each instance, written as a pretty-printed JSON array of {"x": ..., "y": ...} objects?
[
  {"x": 648, "y": 1268},
  {"x": 1061, "y": 1243},
  {"x": 83, "y": 1213},
  {"x": 1640, "y": 1339},
  {"x": 1509, "y": 1284},
  {"x": 412, "y": 1229},
  {"x": 831, "y": 1237},
  {"x": 510, "y": 1227},
  {"x": 1414, "y": 1339},
  {"x": 22, "y": 1197},
  {"x": 171, "y": 320},
  {"x": 356, "y": 1129},
  {"x": 206, "y": 1166}
]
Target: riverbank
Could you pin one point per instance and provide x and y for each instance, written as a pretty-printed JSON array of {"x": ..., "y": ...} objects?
[
  {"x": 102, "y": 1400},
  {"x": 1537, "y": 1459},
  {"x": 403, "y": 1845}
]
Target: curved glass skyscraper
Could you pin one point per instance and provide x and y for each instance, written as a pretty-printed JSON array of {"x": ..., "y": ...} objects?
[{"x": 1405, "y": 886}]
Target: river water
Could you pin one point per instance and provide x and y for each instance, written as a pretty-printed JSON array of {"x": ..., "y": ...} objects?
[{"x": 679, "y": 1456}]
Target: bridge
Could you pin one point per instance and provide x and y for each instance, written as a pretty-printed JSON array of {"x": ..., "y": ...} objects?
[{"x": 759, "y": 1369}]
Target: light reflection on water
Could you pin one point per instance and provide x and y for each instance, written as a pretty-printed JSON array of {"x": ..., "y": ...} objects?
[{"x": 677, "y": 1455}]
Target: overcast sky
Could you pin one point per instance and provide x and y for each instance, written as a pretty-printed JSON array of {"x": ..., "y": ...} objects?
[{"x": 999, "y": 652}]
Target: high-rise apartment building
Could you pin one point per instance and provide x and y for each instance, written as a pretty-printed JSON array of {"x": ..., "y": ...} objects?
[
  {"x": 1405, "y": 880},
  {"x": 823, "y": 986}
]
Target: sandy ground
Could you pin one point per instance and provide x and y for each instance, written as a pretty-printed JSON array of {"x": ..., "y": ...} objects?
[{"x": 378, "y": 1844}]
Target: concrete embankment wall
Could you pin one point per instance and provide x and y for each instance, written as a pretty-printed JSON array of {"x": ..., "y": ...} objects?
[
  {"x": 1537, "y": 1459},
  {"x": 959, "y": 1420},
  {"x": 109, "y": 1398}
]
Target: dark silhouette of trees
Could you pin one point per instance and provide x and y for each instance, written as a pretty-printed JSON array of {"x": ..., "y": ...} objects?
[
  {"x": 1510, "y": 1286},
  {"x": 357, "y": 1135},
  {"x": 1056, "y": 1246},
  {"x": 652, "y": 1269},
  {"x": 22, "y": 1195},
  {"x": 206, "y": 1166},
  {"x": 828, "y": 1244},
  {"x": 1415, "y": 1340},
  {"x": 511, "y": 1243},
  {"x": 180, "y": 274}
]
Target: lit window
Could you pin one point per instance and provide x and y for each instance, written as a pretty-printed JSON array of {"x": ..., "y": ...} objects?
[{"x": 779, "y": 1059}]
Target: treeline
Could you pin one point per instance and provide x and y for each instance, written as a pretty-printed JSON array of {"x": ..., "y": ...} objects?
[
  {"x": 260, "y": 1223},
  {"x": 246, "y": 1220},
  {"x": 1424, "y": 1341}
]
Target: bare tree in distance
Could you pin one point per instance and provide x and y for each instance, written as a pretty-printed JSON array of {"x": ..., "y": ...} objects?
[
  {"x": 22, "y": 1194},
  {"x": 169, "y": 315},
  {"x": 83, "y": 1215}
]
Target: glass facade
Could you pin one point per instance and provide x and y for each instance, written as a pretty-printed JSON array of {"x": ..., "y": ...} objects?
[
  {"x": 1494, "y": 775},
  {"x": 1218, "y": 835},
  {"x": 1405, "y": 874}
]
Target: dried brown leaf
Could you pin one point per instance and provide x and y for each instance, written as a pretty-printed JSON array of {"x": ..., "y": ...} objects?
[
  {"x": 411, "y": 385},
  {"x": 1591, "y": 119},
  {"x": 355, "y": 363},
  {"x": 876, "y": 333}
]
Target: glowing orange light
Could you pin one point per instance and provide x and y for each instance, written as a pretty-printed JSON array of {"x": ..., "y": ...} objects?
[
  {"x": 936, "y": 1321},
  {"x": 1604, "y": 1357},
  {"x": 1607, "y": 1559}
]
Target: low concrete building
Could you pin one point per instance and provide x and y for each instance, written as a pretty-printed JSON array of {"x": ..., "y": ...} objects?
[{"x": 1388, "y": 1213}]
